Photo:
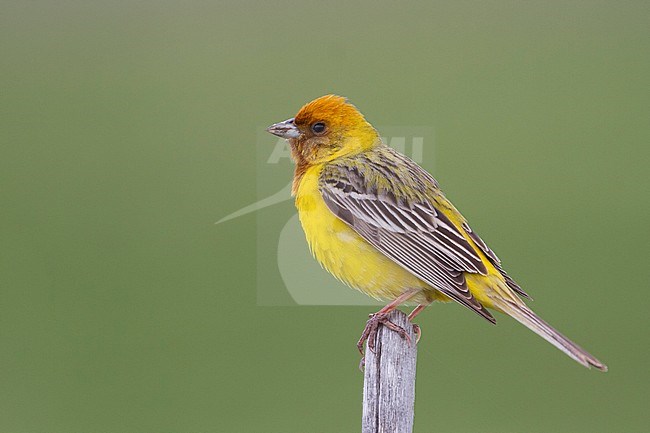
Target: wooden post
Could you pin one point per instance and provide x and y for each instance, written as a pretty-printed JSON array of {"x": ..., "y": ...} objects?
[{"x": 389, "y": 380}]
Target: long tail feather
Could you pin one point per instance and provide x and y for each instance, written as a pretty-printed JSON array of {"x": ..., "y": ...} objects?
[{"x": 532, "y": 321}]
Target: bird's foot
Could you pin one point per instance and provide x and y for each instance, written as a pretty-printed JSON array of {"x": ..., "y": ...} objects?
[
  {"x": 372, "y": 327},
  {"x": 418, "y": 333}
]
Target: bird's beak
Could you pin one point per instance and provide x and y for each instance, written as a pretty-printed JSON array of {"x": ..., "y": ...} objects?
[{"x": 286, "y": 129}]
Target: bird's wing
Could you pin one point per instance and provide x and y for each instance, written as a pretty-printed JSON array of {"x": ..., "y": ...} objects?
[
  {"x": 494, "y": 260},
  {"x": 385, "y": 202}
]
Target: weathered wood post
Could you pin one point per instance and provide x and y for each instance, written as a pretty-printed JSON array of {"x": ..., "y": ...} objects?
[{"x": 389, "y": 381}]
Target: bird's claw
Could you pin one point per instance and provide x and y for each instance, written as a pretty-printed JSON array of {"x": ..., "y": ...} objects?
[
  {"x": 372, "y": 327},
  {"x": 418, "y": 333}
]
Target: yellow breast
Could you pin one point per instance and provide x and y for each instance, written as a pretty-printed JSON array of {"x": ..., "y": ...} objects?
[{"x": 342, "y": 252}]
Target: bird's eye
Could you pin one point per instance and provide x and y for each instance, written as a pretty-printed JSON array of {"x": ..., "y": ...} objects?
[{"x": 318, "y": 128}]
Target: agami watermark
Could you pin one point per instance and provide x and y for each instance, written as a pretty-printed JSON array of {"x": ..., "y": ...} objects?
[{"x": 287, "y": 274}]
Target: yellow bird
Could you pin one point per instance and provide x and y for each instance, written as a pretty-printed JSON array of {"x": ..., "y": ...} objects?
[{"x": 379, "y": 222}]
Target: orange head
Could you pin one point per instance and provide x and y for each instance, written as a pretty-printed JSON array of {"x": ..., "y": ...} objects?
[{"x": 325, "y": 129}]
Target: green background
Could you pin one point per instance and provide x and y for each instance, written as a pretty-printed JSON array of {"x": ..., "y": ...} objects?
[{"x": 129, "y": 128}]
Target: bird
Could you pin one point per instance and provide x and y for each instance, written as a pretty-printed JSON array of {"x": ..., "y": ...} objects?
[{"x": 379, "y": 222}]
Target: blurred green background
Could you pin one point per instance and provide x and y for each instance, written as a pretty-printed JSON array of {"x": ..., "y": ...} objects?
[{"x": 129, "y": 128}]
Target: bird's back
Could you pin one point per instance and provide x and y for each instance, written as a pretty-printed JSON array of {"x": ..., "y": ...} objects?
[{"x": 343, "y": 252}]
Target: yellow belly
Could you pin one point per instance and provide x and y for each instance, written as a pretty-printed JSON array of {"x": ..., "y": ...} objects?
[{"x": 345, "y": 254}]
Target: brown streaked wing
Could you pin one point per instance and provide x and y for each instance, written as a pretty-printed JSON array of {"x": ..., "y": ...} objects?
[
  {"x": 495, "y": 261},
  {"x": 412, "y": 233}
]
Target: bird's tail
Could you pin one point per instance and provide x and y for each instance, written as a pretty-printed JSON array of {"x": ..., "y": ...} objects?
[{"x": 532, "y": 321}]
